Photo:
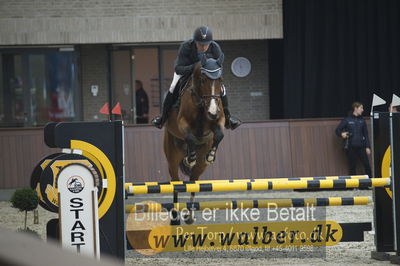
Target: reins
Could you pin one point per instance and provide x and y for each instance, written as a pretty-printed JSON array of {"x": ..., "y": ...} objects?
[{"x": 200, "y": 99}]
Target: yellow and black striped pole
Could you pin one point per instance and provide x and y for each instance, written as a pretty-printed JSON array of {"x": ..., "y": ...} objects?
[
  {"x": 245, "y": 180},
  {"x": 247, "y": 204},
  {"x": 268, "y": 185}
]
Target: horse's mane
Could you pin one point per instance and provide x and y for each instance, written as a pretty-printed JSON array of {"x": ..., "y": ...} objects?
[{"x": 196, "y": 80}]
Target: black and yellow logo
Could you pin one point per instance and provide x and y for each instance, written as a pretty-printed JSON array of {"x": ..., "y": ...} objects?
[
  {"x": 44, "y": 176},
  {"x": 386, "y": 168}
]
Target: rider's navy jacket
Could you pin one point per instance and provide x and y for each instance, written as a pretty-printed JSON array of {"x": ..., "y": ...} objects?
[
  {"x": 357, "y": 128},
  {"x": 188, "y": 56}
]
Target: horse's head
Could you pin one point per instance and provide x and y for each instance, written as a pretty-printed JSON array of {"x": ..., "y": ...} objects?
[{"x": 207, "y": 80}]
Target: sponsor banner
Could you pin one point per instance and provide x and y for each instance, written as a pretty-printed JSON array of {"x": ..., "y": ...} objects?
[{"x": 244, "y": 236}]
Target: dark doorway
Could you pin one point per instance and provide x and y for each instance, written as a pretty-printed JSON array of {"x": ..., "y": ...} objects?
[{"x": 275, "y": 56}]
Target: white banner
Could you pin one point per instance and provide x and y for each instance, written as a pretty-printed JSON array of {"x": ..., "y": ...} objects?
[{"x": 79, "y": 223}]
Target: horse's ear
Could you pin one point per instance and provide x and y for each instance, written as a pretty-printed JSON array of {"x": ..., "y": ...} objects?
[
  {"x": 220, "y": 60},
  {"x": 203, "y": 60}
]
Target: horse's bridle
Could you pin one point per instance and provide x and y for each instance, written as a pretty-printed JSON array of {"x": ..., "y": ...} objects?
[{"x": 200, "y": 100}]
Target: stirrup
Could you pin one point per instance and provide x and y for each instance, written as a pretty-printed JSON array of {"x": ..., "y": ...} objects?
[
  {"x": 158, "y": 122},
  {"x": 233, "y": 123}
]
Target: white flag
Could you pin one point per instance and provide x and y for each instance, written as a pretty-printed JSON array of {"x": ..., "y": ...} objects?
[
  {"x": 395, "y": 100},
  {"x": 377, "y": 100}
]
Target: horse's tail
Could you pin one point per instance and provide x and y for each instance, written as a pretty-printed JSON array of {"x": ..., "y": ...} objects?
[{"x": 185, "y": 169}]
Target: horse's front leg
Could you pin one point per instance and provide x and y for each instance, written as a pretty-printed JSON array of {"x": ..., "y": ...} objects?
[
  {"x": 218, "y": 136},
  {"x": 191, "y": 140},
  {"x": 190, "y": 159}
]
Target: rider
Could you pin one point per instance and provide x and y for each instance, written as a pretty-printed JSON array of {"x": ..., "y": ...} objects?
[{"x": 190, "y": 52}]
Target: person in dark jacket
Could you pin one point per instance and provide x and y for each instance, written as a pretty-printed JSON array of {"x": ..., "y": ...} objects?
[
  {"x": 142, "y": 104},
  {"x": 191, "y": 52},
  {"x": 353, "y": 130}
]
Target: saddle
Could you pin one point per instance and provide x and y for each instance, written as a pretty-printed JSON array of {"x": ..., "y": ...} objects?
[{"x": 179, "y": 89}]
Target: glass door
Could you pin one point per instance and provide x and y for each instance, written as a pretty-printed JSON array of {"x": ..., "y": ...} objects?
[
  {"x": 140, "y": 78},
  {"x": 135, "y": 83},
  {"x": 147, "y": 83}
]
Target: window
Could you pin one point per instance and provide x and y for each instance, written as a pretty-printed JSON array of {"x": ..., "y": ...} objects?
[{"x": 38, "y": 86}]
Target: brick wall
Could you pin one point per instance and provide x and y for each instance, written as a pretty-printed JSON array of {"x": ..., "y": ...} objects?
[
  {"x": 121, "y": 21},
  {"x": 248, "y": 96},
  {"x": 93, "y": 72}
]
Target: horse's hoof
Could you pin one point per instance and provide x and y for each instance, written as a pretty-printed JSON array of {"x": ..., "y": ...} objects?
[
  {"x": 188, "y": 218},
  {"x": 175, "y": 222},
  {"x": 210, "y": 157},
  {"x": 175, "y": 218},
  {"x": 189, "y": 164}
]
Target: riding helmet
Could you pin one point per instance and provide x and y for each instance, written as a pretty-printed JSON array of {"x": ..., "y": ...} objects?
[{"x": 203, "y": 35}]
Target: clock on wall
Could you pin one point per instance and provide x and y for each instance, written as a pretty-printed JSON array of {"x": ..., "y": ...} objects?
[{"x": 241, "y": 67}]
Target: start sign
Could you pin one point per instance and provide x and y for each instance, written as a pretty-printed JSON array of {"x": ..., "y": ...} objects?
[{"x": 79, "y": 229}]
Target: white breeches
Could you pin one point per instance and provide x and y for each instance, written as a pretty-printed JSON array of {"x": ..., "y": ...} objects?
[{"x": 174, "y": 82}]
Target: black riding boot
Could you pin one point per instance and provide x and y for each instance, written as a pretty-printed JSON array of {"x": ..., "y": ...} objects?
[
  {"x": 160, "y": 120},
  {"x": 230, "y": 122}
]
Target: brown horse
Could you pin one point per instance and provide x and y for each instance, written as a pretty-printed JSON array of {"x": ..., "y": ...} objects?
[{"x": 193, "y": 132}]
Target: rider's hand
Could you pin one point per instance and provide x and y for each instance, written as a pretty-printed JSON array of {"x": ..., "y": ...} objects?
[{"x": 345, "y": 135}]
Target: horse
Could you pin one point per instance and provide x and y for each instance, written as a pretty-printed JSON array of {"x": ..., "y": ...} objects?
[{"x": 194, "y": 131}]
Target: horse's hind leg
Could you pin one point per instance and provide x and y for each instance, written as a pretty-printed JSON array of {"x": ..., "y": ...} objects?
[
  {"x": 189, "y": 216},
  {"x": 173, "y": 167},
  {"x": 174, "y": 213},
  {"x": 196, "y": 172},
  {"x": 173, "y": 154}
]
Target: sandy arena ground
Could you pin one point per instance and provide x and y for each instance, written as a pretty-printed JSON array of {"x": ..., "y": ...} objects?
[{"x": 354, "y": 253}]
